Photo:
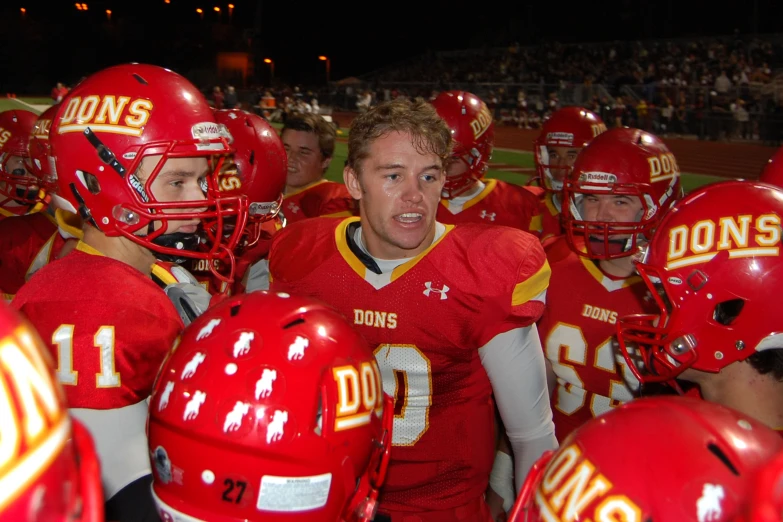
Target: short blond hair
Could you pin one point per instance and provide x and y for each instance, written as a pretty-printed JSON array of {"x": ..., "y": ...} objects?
[{"x": 419, "y": 119}]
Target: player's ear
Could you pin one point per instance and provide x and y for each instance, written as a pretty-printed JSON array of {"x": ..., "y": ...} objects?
[
  {"x": 325, "y": 164},
  {"x": 351, "y": 180}
]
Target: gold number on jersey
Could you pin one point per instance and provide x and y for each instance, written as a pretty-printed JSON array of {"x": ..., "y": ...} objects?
[
  {"x": 569, "y": 340},
  {"x": 103, "y": 339},
  {"x": 407, "y": 376}
]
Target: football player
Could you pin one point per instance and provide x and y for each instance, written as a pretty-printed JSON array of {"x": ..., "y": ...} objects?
[
  {"x": 132, "y": 145},
  {"x": 31, "y": 240},
  {"x": 20, "y": 191},
  {"x": 257, "y": 170},
  {"x": 467, "y": 196},
  {"x": 309, "y": 145},
  {"x": 48, "y": 466},
  {"x": 671, "y": 458},
  {"x": 562, "y": 136},
  {"x": 714, "y": 269},
  {"x": 449, "y": 310},
  {"x": 283, "y": 419},
  {"x": 620, "y": 186}
]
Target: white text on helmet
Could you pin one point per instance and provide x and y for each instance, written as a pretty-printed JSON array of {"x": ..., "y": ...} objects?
[
  {"x": 698, "y": 243},
  {"x": 32, "y": 418},
  {"x": 359, "y": 394},
  {"x": 572, "y": 484},
  {"x": 663, "y": 167},
  {"x": 112, "y": 114},
  {"x": 482, "y": 122}
]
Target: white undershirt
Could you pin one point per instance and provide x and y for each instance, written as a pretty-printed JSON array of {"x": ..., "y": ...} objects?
[{"x": 456, "y": 203}]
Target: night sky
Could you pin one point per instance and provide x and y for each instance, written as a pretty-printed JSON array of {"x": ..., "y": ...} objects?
[{"x": 359, "y": 37}]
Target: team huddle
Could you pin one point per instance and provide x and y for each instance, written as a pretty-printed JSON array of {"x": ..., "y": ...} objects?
[{"x": 200, "y": 327}]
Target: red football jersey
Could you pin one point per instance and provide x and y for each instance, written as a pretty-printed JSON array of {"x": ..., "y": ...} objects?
[
  {"x": 578, "y": 335},
  {"x": 27, "y": 243},
  {"x": 551, "y": 226},
  {"x": 500, "y": 203},
  {"x": 108, "y": 326},
  {"x": 320, "y": 199},
  {"x": 426, "y": 320}
]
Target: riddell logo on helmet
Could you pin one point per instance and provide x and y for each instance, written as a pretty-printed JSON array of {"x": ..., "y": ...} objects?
[
  {"x": 597, "y": 177},
  {"x": 113, "y": 114},
  {"x": 699, "y": 243},
  {"x": 359, "y": 394},
  {"x": 560, "y": 138},
  {"x": 482, "y": 122},
  {"x": 572, "y": 483}
]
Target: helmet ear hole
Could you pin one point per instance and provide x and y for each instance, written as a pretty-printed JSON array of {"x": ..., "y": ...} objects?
[
  {"x": 726, "y": 312},
  {"x": 92, "y": 183}
]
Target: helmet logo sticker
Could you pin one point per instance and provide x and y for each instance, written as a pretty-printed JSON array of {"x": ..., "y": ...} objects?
[
  {"x": 242, "y": 345},
  {"x": 164, "y": 397},
  {"x": 264, "y": 384},
  {"x": 235, "y": 416},
  {"x": 708, "y": 506},
  {"x": 207, "y": 329},
  {"x": 297, "y": 348},
  {"x": 193, "y": 405},
  {"x": 276, "y": 429},
  {"x": 190, "y": 369}
]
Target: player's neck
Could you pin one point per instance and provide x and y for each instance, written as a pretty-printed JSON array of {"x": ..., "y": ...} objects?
[
  {"x": 121, "y": 249},
  {"x": 619, "y": 267},
  {"x": 379, "y": 248},
  {"x": 740, "y": 387}
]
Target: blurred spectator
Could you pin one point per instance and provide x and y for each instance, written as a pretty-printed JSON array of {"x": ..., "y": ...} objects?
[
  {"x": 58, "y": 92},
  {"x": 230, "y": 99}
]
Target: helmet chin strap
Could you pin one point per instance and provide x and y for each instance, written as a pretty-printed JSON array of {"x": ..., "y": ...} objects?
[{"x": 179, "y": 240}]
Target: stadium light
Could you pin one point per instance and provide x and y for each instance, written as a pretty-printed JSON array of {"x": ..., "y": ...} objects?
[
  {"x": 230, "y": 12},
  {"x": 200, "y": 12},
  {"x": 79, "y": 6},
  {"x": 84, "y": 7},
  {"x": 271, "y": 66},
  {"x": 108, "y": 14},
  {"x": 167, "y": 1},
  {"x": 23, "y": 11},
  {"x": 328, "y": 64}
]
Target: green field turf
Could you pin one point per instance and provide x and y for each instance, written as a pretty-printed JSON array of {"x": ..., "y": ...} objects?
[{"x": 512, "y": 166}]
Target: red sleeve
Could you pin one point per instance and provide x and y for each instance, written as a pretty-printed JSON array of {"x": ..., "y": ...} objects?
[{"x": 524, "y": 283}]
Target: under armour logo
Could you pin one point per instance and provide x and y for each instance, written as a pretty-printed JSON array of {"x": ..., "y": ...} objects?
[
  {"x": 293, "y": 208},
  {"x": 441, "y": 291},
  {"x": 487, "y": 215}
]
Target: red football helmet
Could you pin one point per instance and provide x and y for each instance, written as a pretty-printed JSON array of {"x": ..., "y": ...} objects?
[
  {"x": 16, "y": 185},
  {"x": 772, "y": 172},
  {"x": 714, "y": 269},
  {"x": 48, "y": 466},
  {"x": 766, "y": 498},
  {"x": 112, "y": 121},
  {"x": 283, "y": 419},
  {"x": 40, "y": 153},
  {"x": 653, "y": 458},
  {"x": 258, "y": 169},
  {"x": 572, "y": 127},
  {"x": 473, "y": 131},
  {"x": 619, "y": 162}
]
